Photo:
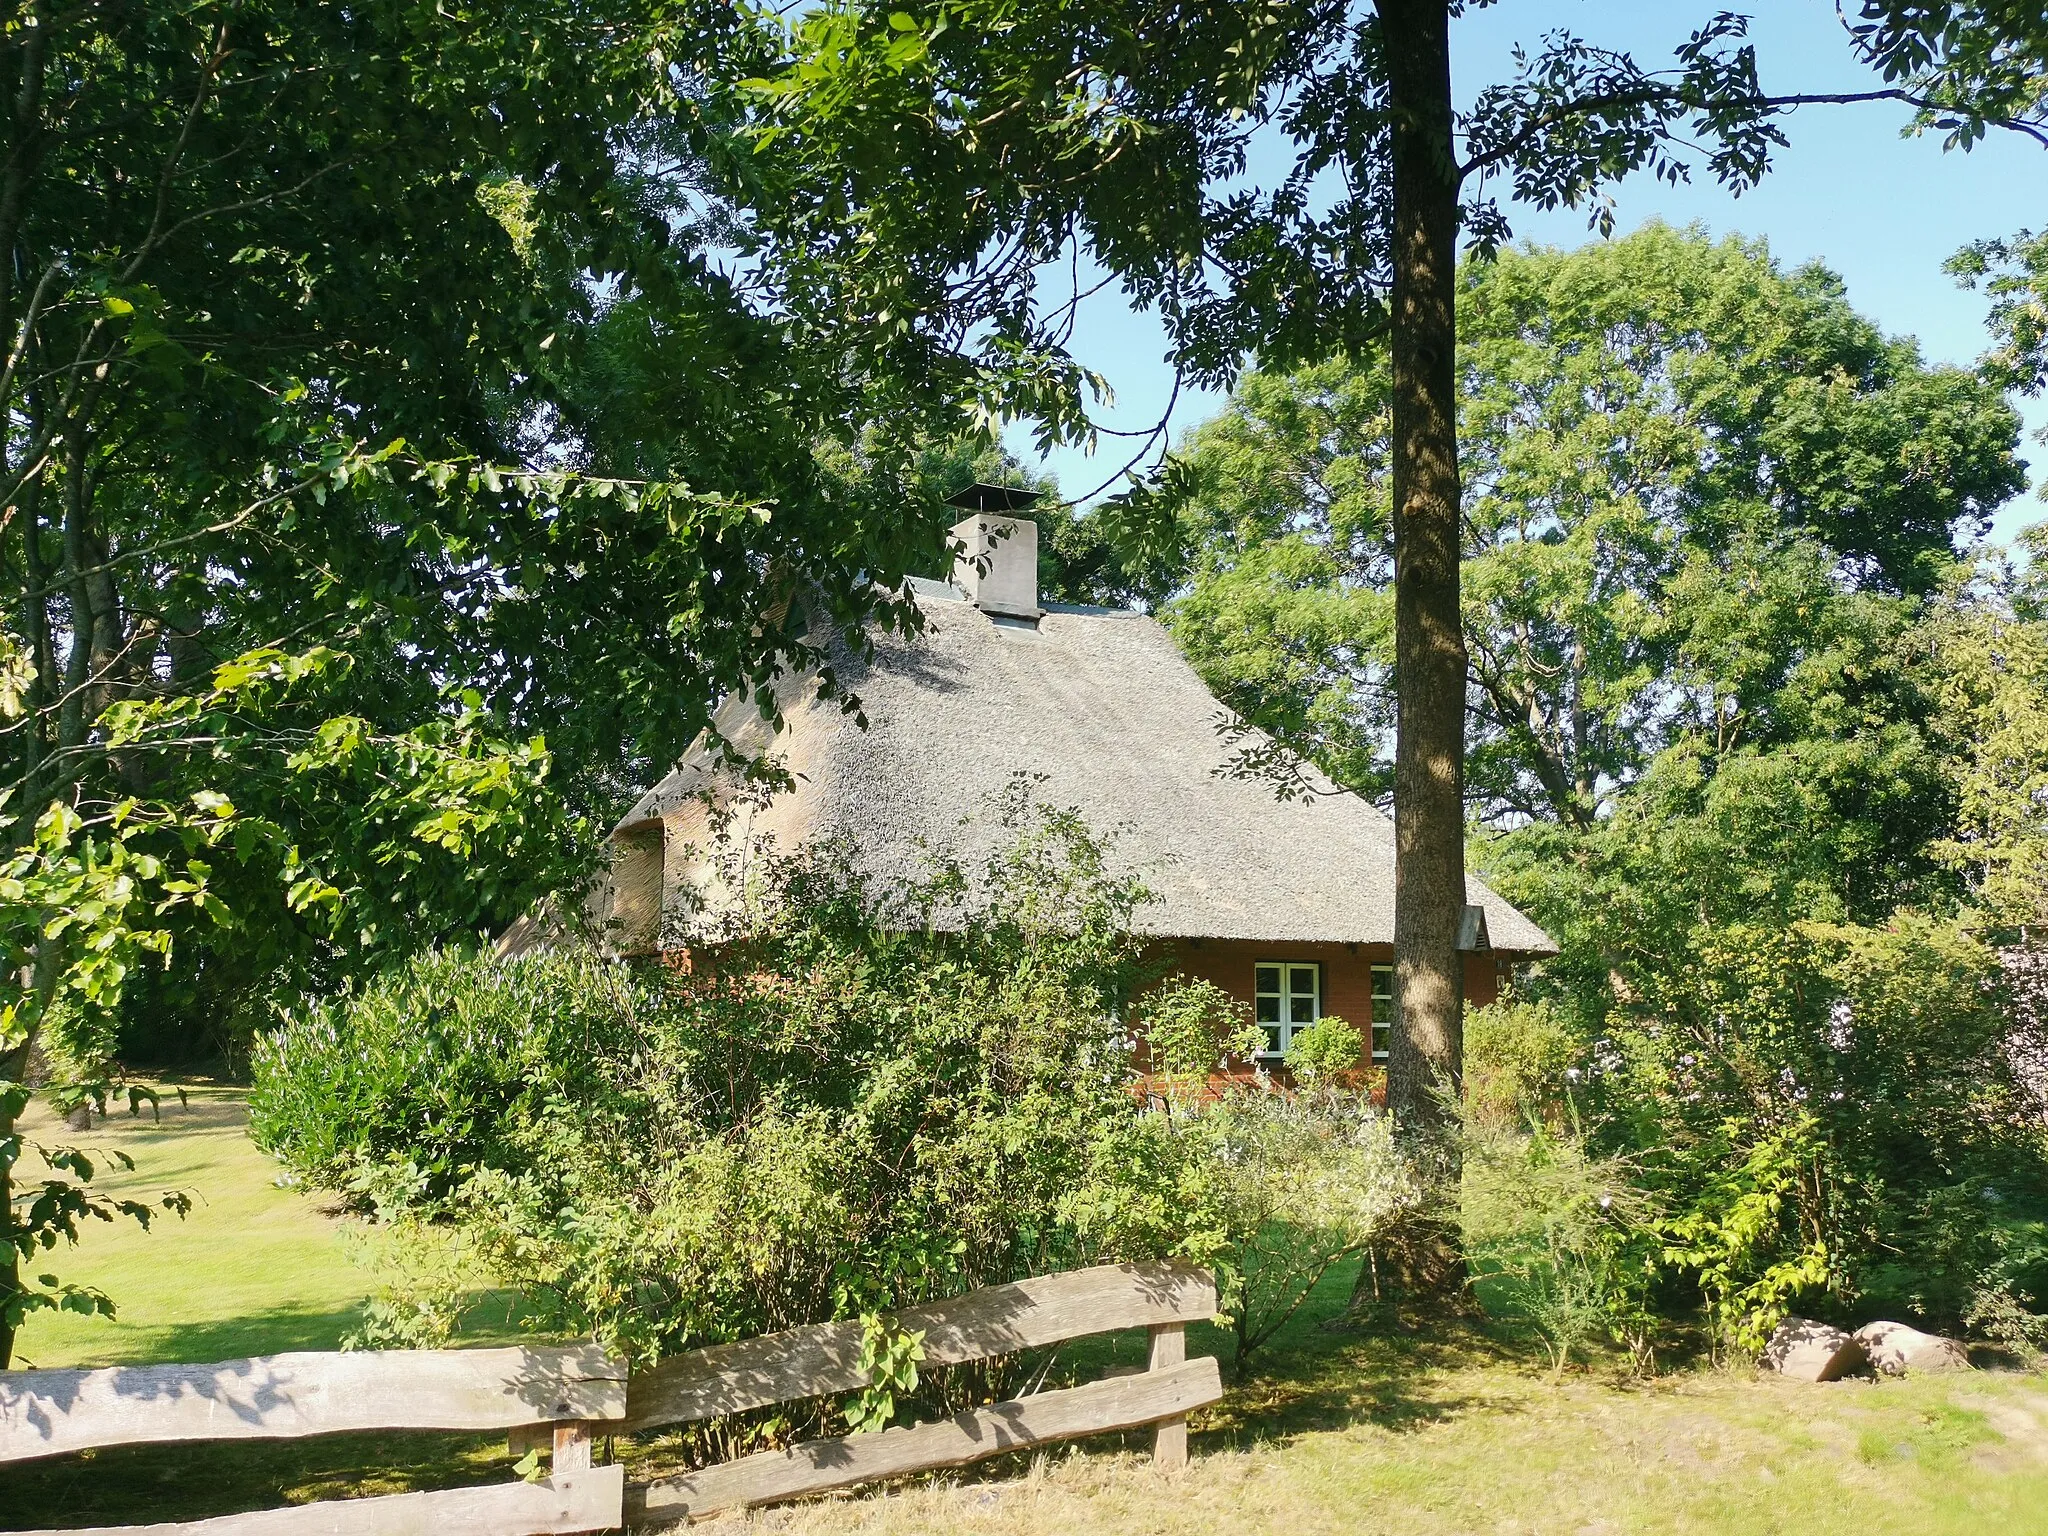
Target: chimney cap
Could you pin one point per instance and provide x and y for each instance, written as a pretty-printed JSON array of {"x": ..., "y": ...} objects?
[{"x": 978, "y": 497}]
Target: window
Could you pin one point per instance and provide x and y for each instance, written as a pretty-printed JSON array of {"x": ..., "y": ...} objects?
[
  {"x": 1289, "y": 997},
  {"x": 1382, "y": 1010}
]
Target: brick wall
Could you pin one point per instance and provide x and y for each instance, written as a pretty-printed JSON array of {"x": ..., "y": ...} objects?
[{"x": 1347, "y": 971}]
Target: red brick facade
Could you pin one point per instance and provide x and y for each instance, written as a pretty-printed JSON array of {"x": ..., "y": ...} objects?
[{"x": 1346, "y": 972}]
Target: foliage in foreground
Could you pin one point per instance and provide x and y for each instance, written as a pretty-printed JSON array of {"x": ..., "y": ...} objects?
[
  {"x": 1825, "y": 1120},
  {"x": 378, "y": 439},
  {"x": 849, "y": 1100}
]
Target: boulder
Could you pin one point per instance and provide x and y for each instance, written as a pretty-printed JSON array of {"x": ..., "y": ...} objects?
[
  {"x": 1808, "y": 1351},
  {"x": 1896, "y": 1349}
]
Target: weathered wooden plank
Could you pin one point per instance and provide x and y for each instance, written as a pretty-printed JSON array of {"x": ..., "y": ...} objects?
[
  {"x": 1170, "y": 1438},
  {"x": 572, "y": 1448},
  {"x": 591, "y": 1500},
  {"x": 1119, "y": 1402},
  {"x": 45, "y": 1413},
  {"x": 825, "y": 1357}
]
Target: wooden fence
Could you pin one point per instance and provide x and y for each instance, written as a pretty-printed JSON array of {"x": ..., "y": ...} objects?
[{"x": 572, "y": 1396}]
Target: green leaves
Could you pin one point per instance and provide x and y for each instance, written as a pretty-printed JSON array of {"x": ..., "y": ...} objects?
[
  {"x": 889, "y": 1356},
  {"x": 1971, "y": 65},
  {"x": 1681, "y": 465},
  {"x": 2014, "y": 273},
  {"x": 878, "y": 1111}
]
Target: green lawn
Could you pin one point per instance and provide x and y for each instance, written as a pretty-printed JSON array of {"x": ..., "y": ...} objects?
[
  {"x": 1454, "y": 1431},
  {"x": 253, "y": 1270},
  {"x": 1459, "y": 1434}
]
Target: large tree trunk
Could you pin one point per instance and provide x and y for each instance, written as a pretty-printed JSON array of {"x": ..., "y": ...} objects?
[
  {"x": 1426, "y": 1057},
  {"x": 1429, "y": 642}
]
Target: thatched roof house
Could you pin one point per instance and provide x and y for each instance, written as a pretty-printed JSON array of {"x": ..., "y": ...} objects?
[{"x": 1288, "y": 902}]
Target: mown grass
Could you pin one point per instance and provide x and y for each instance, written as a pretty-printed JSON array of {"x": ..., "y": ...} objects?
[
  {"x": 1460, "y": 1432},
  {"x": 257, "y": 1268},
  {"x": 1450, "y": 1429},
  {"x": 254, "y": 1269}
]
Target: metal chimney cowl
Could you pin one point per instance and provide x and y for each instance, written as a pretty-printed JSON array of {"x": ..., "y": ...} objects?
[{"x": 999, "y": 571}]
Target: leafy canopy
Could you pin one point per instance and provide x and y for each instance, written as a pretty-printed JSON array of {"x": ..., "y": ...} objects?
[{"x": 1700, "y": 489}]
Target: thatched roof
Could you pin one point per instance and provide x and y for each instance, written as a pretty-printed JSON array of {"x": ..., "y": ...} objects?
[{"x": 1101, "y": 708}]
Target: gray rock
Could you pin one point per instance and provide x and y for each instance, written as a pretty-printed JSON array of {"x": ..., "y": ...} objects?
[
  {"x": 1896, "y": 1349},
  {"x": 1808, "y": 1351}
]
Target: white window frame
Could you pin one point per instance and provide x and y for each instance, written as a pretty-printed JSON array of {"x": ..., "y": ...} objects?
[
  {"x": 1381, "y": 969},
  {"x": 1288, "y": 1024}
]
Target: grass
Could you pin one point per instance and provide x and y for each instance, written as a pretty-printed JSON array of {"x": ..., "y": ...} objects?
[
  {"x": 1457, "y": 1429},
  {"x": 255, "y": 1269},
  {"x": 1465, "y": 1433}
]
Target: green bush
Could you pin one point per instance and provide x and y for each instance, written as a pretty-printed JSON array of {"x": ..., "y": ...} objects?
[
  {"x": 1193, "y": 1028},
  {"x": 1520, "y": 1055},
  {"x": 401, "y": 1091},
  {"x": 854, "y": 1099},
  {"x": 1827, "y": 1119},
  {"x": 1561, "y": 1239},
  {"x": 1325, "y": 1052},
  {"x": 1287, "y": 1187}
]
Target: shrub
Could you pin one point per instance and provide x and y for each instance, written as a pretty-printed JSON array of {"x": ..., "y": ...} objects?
[
  {"x": 1329, "y": 1049},
  {"x": 1291, "y": 1186},
  {"x": 399, "y": 1092},
  {"x": 1520, "y": 1055},
  {"x": 1561, "y": 1239},
  {"x": 1192, "y": 1028},
  {"x": 851, "y": 1100},
  {"x": 1818, "y": 1111}
]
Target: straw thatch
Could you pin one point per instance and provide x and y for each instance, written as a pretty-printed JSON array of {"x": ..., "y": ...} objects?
[{"x": 1100, "y": 709}]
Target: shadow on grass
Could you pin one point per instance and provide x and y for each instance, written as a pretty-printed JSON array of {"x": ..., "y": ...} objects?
[
  {"x": 274, "y": 1332},
  {"x": 1319, "y": 1375},
  {"x": 1394, "y": 1381},
  {"x": 489, "y": 1317},
  {"x": 158, "y": 1483}
]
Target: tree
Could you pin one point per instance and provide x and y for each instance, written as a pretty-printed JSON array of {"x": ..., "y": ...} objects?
[
  {"x": 936, "y": 166},
  {"x": 1968, "y": 65},
  {"x": 1647, "y": 426},
  {"x": 342, "y": 527}
]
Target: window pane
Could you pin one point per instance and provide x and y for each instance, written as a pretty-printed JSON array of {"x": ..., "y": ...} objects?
[
  {"x": 1269, "y": 1010},
  {"x": 1382, "y": 1037},
  {"x": 1269, "y": 978},
  {"x": 1272, "y": 1040},
  {"x": 1304, "y": 978}
]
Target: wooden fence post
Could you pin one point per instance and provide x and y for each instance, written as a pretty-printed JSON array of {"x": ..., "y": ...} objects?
[
  {"x": 1170, "y": 1439},
  {"x": 572, "y": 1448}
]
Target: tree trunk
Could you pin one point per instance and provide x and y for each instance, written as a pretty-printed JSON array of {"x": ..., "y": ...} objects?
[
  {"x": 1425, "y": 1061},
  {"x": 1429, "y": 640},
  {"x": 10, "y": 1256},
  {"x": 14, "y": 1070}
]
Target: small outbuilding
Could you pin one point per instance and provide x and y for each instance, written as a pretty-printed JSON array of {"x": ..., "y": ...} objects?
[{"x": 1286, "y": 903}]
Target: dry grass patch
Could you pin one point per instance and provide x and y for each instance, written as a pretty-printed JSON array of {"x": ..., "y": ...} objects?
[{"x": 1447, "y": 1437}]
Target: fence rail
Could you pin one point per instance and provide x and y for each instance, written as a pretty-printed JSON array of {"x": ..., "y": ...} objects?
[
  {"x": 569, "y": 1396},
  {"x": 284, "y": 1397}
]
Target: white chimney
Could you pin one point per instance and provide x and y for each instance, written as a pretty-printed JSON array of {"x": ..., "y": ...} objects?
[{"x": 999, "y": 571}]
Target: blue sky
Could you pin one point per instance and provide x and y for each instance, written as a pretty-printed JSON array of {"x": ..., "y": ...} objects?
[{"x": 1883, "y": 211}]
